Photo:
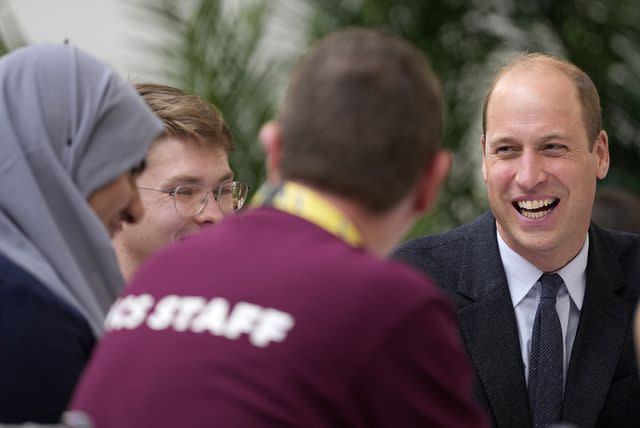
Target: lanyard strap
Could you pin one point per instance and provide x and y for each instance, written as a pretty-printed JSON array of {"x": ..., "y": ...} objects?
[{"x": 303, "y": 202}]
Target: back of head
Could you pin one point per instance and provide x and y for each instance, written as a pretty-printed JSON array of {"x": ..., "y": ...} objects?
[
  {"x": 186, "y": 116},
  {"x": 361, "y": 118}
]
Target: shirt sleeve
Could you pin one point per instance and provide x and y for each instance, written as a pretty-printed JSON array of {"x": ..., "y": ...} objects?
[{"x": 420, "y": 374}]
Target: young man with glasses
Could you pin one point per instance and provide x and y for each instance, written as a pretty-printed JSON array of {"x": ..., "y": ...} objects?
[{"x": 187, "y": 183}]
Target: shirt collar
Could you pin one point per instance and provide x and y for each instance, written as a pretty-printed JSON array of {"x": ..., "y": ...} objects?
[
  {"x": 302, "y": 201},
  {"x": 522, "y": 275}
]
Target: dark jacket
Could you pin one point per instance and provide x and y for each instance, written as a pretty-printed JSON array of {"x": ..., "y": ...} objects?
[
  {"x": 44, "y": 345},
  {"x": 602, "y": 386}
]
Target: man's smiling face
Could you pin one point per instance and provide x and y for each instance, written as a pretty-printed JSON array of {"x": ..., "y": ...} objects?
[
  {"x": 539, "y": 165},
  {"x": 170, "y": 163}
]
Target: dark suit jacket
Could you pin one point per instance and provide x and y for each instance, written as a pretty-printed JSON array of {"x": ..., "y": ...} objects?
[
  {"x": 602, "y": 386},
  {"x": 44, "y": 345}
]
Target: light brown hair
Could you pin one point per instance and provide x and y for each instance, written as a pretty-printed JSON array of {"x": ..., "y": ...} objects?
[
  {"x": 586, "y": 90},
  {"x": 362, "y": 116},
  {"x": 186, "y": 116}
]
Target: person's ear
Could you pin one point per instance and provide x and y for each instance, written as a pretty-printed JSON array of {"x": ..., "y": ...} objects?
[
  {"x": 602, "y": 151},
  {"x": 271, "y": 140},
  {"x": 433, "y": 176},
  {"x": 483, "y": 142}
]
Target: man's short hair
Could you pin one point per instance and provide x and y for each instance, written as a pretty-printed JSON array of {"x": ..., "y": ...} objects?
[
  {"x": 361, "y": 118},
  {"x": 586, "y": 90},
  {"x": 186, "y": 116}
]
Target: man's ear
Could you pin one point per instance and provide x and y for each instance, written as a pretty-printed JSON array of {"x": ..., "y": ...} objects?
[
  {"x": 602, "y": 151},
  {"x": 432, "y": 177},
  {"x": 483, "y": 142},
  {"x": 271, "y": 140}
]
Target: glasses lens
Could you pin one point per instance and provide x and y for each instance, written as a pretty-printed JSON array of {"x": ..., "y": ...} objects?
[
  {"x": 189, "y": 199},
  {"x": 231, "y": 196}
]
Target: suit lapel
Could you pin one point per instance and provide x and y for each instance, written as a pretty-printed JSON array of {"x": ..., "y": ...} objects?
[
  {"x": 600, "y": 336},
  {"x": 489, "y": 328}
]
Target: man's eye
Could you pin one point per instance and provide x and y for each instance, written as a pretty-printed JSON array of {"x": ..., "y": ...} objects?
[
  {"x": 182, "y": 191},
  {"x": 505, "y": 149},
  {"x": 554, "y": 147}
]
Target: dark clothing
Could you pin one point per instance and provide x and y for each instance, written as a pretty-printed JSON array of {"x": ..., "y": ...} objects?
[
  {"x": 602, "y": 387},
  {"x": 355, "y": 341},
  {"x": 44, "y": 345}
]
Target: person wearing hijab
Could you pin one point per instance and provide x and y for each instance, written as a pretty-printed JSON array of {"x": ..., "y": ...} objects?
[{"x": 73, "y": 135}]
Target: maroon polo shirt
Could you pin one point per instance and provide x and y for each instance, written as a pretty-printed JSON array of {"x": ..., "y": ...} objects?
[{"x": 268, "y": 320}]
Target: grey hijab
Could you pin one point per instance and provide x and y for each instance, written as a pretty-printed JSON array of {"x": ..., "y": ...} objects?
[{"x": 68, "y": 125}]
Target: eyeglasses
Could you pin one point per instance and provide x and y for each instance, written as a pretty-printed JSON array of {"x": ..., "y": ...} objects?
[{"x": 190, "y": 199}]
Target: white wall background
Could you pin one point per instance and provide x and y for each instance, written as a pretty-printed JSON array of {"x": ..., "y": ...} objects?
[
  {"x": 112, "y": 30},
  {"x": 105, "y": 28}
]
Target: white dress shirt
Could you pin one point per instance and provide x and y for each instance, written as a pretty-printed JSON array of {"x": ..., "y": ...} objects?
[{"x": 524, "y": 288}]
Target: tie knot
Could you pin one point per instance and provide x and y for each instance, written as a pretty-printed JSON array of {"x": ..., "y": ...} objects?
[{"x": 550, "y": 283}]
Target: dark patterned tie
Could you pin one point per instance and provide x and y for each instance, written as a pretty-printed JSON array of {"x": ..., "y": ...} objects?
[{"x": 545, "y": 361}]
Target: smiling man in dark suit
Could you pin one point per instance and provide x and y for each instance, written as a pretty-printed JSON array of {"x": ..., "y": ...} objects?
[{"x": 544, "y": 297}]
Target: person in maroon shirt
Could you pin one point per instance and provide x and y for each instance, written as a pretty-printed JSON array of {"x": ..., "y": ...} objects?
[{"x": 290, "y": 315}]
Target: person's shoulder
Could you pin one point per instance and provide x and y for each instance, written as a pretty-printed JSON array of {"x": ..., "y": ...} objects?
[
  {"x": 425, "y": 244},
  {"x": 11, "y": 274},
  {"x": 18, "y": 286},
  {"x": 233, "y": 237},
  {"x": 361, "y": 278},
  {"x": 244, "y": 225},
  {"x": 387, "y": 283},
  {"x": 45, "y": 345},
  {"x": 25, "y": 300},
  {"x": 401, "y": 275},
  {"x": 614, "y": 251},
  {"x": 35, "y": 320},
  {"x": 620, "y": 243},
  {"x": 446, "y": 244}
]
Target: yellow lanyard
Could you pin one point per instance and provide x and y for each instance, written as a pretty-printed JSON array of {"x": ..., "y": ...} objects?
[{"x": 303, "y": 202}]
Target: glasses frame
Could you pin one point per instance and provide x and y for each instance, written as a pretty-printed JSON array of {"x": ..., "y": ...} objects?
[{"x": 216, "y": 191}]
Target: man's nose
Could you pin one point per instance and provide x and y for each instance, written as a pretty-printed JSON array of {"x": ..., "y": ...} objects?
[
  {"x": 134, "y": 210},
  {"x": 530, "y": 172},
  {"x": 211, "y": 213}
]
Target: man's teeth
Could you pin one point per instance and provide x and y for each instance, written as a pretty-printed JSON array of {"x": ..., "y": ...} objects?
[
  {"x": 534, "y": 215},
  {"x": 527, "y": 206},
  {"x": 532, "y": 205}
]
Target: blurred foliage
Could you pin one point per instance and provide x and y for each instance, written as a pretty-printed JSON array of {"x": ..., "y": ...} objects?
[
  {"x": 219, "y": 53},
  {"x": 10, "y": 33},
  {"x": 458, "y": 53},
  {"x": 466, "y": 41},
  {"x": 216, "y": 54},
  {"x": 3, "y": 46}
]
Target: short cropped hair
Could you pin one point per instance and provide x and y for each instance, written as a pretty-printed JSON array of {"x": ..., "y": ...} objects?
[
  {"x": 186, "y": 116},
  {"x": 586, "y": 90},
  {"x": 362, "y": 117}
]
